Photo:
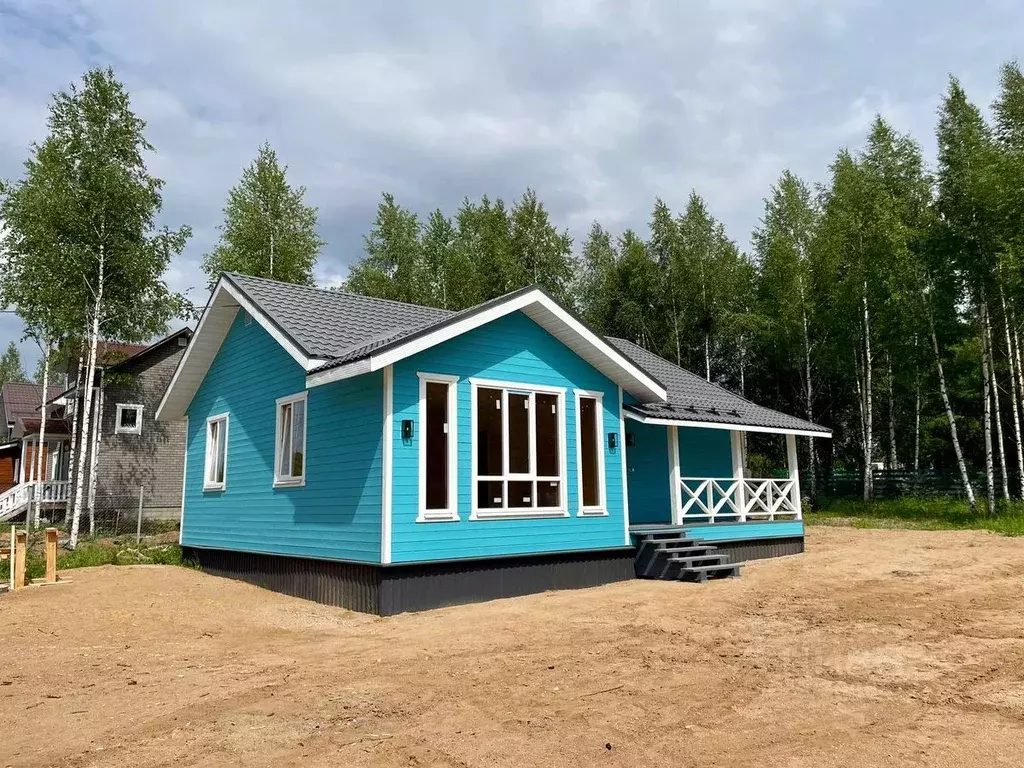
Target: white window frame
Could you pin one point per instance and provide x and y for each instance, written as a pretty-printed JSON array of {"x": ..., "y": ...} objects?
[
  {"x": 289, "y": 481},
  {"x": 451, "y": 514},
  {"x": 601, "y": 509},
  {"x": 121, "y": 408},
  {"x": 505, "y": 512},
  {"x": 208, "y": 484}
]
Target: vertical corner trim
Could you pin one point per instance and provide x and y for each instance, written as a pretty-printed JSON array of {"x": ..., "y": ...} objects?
[
  {"x": 625, "y": 482},
  {"x": 387, "y": 449},
  {"x": 184, "y": 481}
]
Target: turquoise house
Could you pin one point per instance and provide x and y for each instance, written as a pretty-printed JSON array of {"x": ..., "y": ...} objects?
[{"x": 389, "y": 457}]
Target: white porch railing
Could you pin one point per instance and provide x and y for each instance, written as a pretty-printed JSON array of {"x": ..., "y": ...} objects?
[
  {"x": 738, "y": 500},
  {"x": 15, "y": 499}
]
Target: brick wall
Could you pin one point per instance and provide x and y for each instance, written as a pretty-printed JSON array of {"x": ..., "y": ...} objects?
[{"x": 152, "y": 459}]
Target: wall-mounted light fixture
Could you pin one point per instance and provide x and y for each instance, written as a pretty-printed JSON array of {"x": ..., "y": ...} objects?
[
  {"x": 407, "y": 429},
  {"x": 613, "y": 440}
]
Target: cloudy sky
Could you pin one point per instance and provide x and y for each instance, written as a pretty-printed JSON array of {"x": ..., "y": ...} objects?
[{"x": 600, "y": 106}]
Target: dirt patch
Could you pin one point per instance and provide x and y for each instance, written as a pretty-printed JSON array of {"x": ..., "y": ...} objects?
[{"x": 876, "y": 648}]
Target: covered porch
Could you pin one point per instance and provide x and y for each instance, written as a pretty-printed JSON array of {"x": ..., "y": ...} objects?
[{"x": 693, "y": 478}]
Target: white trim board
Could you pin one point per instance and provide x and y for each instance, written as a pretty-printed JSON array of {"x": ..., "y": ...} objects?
[
  {"x": 387, "y": 462},
  {"x": 601, "y": 508},
  {"x": 720, "y": 425},
  {"x": 540, "y": 308}
]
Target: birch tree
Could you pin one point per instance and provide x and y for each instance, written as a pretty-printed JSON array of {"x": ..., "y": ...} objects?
[
  {"x": 268, "y": 230},
  {"x": 87, "y": 186}
]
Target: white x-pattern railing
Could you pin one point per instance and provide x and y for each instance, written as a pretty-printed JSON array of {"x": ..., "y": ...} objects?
[{"x": 734, "y": 499}]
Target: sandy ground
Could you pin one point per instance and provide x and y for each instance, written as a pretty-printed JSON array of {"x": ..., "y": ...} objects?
[{"x": 875, "y": 648}]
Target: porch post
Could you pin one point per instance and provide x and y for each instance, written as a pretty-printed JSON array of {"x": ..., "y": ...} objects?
[
  {"x": 738, "y": 474},
  {"x": 674, "y": 477},
  {"x": 794, "y": 474}
]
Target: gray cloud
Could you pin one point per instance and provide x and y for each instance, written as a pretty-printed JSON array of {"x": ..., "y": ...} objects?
[{"x": 600, "y": 106}]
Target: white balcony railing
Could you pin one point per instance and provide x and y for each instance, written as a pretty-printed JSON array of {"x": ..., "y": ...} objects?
[
  {"x": 13, "y": 500},
  {"x": 737, "y": 500}
]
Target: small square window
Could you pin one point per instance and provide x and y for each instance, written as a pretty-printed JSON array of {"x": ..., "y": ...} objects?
[{"x": 128, "y": 419}]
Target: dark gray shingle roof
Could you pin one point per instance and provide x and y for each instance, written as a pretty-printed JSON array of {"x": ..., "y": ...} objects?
[
  {"x": 691, "y": 398},
  {"x": 333, "y": 324}
]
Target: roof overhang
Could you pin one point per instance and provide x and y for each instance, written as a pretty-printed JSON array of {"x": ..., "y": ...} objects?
[
  {"x": 540, "y": 308},
  {"x": 732, "y": 426},
  {"x": 220, "y": 312}
]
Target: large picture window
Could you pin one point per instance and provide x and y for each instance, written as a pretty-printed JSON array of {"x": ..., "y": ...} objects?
[
  {"x": 438, "y": 447},
  {"x": 215, "y": 472},
  {"x": 589, "y": 453},
  {"x": 290, "y": 453},
  {"x": 519, "y": 453}
]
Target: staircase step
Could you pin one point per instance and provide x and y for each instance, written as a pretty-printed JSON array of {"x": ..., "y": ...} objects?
[
  {"x": 688, "y": 547},
  {"x": 681, "y": 540},
  {"x": 697, "y": 561},
  {"x": 702, "y": 573}
]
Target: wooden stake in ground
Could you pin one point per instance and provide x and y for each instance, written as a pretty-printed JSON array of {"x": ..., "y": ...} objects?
[
  {"x": 20, "y": 553},
  {"x": 51, "y": 555}
]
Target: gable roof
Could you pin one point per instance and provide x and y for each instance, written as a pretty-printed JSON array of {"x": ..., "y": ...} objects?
[
  {"x": 23, "y": 399},
  {"x": 696, "y": 401},
  {"x": 335, "y": 335},
  {"x": 141, "y": 350}
]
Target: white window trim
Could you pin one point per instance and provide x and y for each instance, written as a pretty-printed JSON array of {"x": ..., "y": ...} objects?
[
  {"x": 505, "y": 512},
  {"x": 451, "y": 514},
  {"x": 287, "y": 481},
  {"x": 137, "y": 429},
  {"x": 601, "y": 508},
  {"x": 209, "y": 485}
]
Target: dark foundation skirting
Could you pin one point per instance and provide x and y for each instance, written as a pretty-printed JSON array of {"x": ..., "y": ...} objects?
[
  {"x": 387, "y": 590},
  {"x": 760, "y": 549}
]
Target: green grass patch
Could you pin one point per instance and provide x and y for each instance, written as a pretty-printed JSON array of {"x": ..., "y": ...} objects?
[
  {"x": 921, "y": 514},
  {"x": 105, "y": 552}
]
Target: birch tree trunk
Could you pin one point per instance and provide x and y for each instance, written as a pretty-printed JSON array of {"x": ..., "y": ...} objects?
[
  {"x": 987, "y": 423},
  {"x": 868, "y": 414},
  {"x": 917, "y": 428},
  {"x": 1004, "y": 470},
  {"x": 94, "y": 455},
  {"x": 74, "y": 435},
  {"x": 707, "y": 356},
  {"x": 40, "y": 464},
  {"x": 90, "y": 375},
  {"x": 892, "y": 414},
  {"x": 809, "y": 400},
  {"x": 964, "y": 477},
  {"x": 858, "y": 377},
  {"x": 1014, "y": 392}
]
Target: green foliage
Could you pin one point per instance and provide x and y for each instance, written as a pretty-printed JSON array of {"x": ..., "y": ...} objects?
[
  {"x": 89, "y": 554},
  {"x": 11, "y": 368},
  {"x": 920, "y": 514},
  {"x": 82, "y": 222},
  {"x": 268, "y": 230}
]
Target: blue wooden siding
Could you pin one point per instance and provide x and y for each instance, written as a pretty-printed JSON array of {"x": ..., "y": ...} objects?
[
  {"x": 746, "y": 531},
  {"x": 648, "y": 474},
  {"x": 337, "y": 513},
  {"x": 705, "y": 452},
  {"x": 513, "y": 349}
]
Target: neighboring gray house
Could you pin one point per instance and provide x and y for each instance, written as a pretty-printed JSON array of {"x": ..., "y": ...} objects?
[{"x": 134, "y": 450}]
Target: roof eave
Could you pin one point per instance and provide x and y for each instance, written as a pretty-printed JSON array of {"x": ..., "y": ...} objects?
[
  {"x": 733, "y": 425},
  {"x": 218, "y": 316}
]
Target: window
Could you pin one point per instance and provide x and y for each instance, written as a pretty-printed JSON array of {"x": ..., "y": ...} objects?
[
  {"x": 590, "y": 453},
  {"x": 215, "y": 473},
  {"x": 438, "y": 447},
  {"x": 128, "y": 420},
  {"x": 518, "y": 450},
  {"x": 290, "y": 456}
]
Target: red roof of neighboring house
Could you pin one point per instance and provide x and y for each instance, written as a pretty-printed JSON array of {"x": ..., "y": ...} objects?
[
  {"x": 30, "y": 426},
  {"x": 23, "y": 399},
  {"x": 113, "y": 352}
]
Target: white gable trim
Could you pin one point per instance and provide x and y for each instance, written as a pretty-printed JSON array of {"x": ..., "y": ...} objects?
[
  {"x": 540, "y": 308},
  {"x": 731, "y": 426},
  {"x": 213, "y": 328}
]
